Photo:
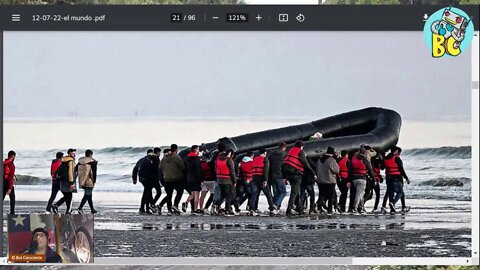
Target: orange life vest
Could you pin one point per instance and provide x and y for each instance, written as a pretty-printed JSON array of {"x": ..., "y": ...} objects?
[
  {"x": 391, "y": 167},
  {"x": 246, "y": 171},
  {"x": 293, "y": 158},
  {"x": 221, "y": 168},
  {"x": 206, "y": 171},
  {"x": 359, "y": 168},
  {"x": 258, "y": 165},
  {"x": 343, "y": 168}
]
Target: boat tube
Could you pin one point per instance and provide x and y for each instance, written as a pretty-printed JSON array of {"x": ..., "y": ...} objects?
[{"x": 377, "y": 127}]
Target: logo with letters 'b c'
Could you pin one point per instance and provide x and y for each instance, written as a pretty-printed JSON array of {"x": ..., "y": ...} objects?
[{"x": 448, "y": 31}]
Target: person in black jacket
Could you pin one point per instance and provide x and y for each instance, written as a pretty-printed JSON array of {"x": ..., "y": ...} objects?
[
  {"x": 306, "y": 188},
  {"x": 193, "y": 167},
  {"x": 145, "y": 173},
  {"x": 156, "y": 181},
  {"x": 276, "y": 177}
]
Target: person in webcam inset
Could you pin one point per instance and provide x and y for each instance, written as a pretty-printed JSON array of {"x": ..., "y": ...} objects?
[{"x": 39, "y": 245}]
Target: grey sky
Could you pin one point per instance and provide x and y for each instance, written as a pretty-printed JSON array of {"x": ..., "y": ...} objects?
[{"x": 112, "y": 74}]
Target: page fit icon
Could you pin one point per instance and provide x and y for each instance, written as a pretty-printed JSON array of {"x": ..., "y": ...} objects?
[{"x": 283, "y": 17}]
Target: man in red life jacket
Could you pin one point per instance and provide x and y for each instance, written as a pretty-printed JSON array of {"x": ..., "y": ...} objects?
[
  {"x": 294, "y": 165},
  {"x": 8, "y": 179},
  {"x": 343, "y": 182},
  {"x": 359, "y": 171},
  {"x": 260, "y": 171},
  {"x": 208, "y": 183},
  {"x": 395, "y": 173},
  {"x": 55, "y": 184},
  {"x": 243, "y": 187},
  {"x": 226, "y": 179}
]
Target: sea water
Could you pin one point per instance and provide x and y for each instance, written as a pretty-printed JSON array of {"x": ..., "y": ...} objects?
[{"x": 437, "y": 154}]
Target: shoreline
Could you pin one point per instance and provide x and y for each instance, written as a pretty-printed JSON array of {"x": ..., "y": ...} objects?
[{"x": 433, "y": 228}]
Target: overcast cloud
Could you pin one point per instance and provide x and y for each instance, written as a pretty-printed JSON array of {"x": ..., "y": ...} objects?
[{"x": 207, "y": 74}]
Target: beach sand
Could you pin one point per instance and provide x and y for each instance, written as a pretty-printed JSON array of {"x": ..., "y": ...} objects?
[{"x": 433, "y": 228}]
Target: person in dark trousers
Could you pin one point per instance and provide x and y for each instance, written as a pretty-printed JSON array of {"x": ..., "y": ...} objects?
[
  {"x": 343, "y": 180},
  {"x": 307, "y": 188},
  {"x": 193, "y": 166},
  {"x": 260, "y": 169},
  {"x": 66, "y": 175},
  {"x": 327, "y": 173},
  {"x": 294, "y": 166},
  {"x": 359, "y": 171},
  {"x": 276, "y": 177},
  {"x": 156, "y": 182},
  {"x": 9, "y": 179},
  {"x": 172, "y": 167},
  {"x": 226, "y": 179},
  {"x": 243, "y": 187},
  {"x": 377, "y": 164},
  {"x": 395, "y": 173},
  {"x": 162, "y": 183},
  {"x": 55, "y": 184},
  {"x": 87, "y": 178},
  {"x": 144, "y": 172}
]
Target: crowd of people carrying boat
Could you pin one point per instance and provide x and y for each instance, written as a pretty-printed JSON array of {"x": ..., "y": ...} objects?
[{"x": 235, "y": 181}]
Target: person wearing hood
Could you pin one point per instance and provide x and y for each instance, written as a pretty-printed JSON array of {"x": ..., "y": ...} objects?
[
  {"x": 395, "y": 173},
  {"x": 87, "y": 177},
  {"x": 276, "y": 177},
  {"x": 294, "y": 166},
  {"x": 359, "y": 171},
  {"x": 39, "y": 245},
  {"x": 193, "y": 165},
  {"x": 172, "y": 167},
  {"x": 226, "y": 179},
  {"x": 66, "y": 174},
  {"x": 8, "y": 179},
  {"x": 327, "y": 173},
  {"x": 243, "y": 187}
]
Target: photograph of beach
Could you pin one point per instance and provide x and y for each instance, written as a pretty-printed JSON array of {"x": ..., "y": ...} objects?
[{"x": 119, "y": 94}]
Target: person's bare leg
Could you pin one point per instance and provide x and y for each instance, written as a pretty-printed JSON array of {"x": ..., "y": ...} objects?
[
  {"x": 195, "y": 200},
  {"x": 202, "y": 199},
  {"x": 190, "y": 197}
]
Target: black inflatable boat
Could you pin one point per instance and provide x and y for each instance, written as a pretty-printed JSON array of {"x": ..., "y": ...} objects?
[{"x": 377, "y": 127}]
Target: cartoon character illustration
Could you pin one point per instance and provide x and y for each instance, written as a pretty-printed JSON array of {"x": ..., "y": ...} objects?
[{"x": 451, "y": 24}]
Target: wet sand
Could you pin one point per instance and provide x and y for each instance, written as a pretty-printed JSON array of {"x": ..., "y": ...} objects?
[{"x": 433, "y": 228}]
